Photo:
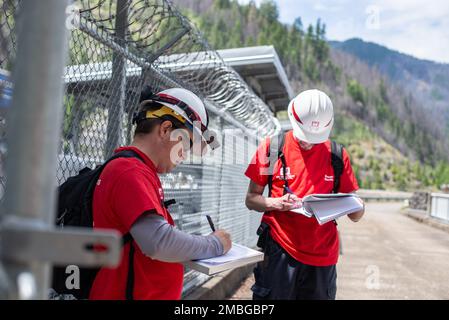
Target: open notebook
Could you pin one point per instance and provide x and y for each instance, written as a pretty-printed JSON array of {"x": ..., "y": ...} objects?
[
  {"x": 236, "y": 257},
  {"x": 328, "y": 207}
]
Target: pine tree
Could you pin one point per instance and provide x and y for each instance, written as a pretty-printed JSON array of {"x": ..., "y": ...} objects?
[
  {"x": 222, "y": 4},
  {"x": 269, "y": 10}
]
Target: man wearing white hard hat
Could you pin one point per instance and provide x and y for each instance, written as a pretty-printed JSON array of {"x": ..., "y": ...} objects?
[
  {"x": 129, "y": 197},
  {"x": 300, "y": 255}
]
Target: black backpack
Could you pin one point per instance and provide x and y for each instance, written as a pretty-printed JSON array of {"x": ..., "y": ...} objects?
[
  {"x": 276, "y": 152},
  {"x": 75, "y": 198}
]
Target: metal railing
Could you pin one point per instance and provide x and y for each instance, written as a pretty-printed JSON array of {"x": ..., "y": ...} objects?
[
  {"x": 383, "y": 195},
  {"x": 439, "y": 206}
]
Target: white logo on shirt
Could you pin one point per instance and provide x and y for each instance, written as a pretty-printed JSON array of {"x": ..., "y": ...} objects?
[
  {"x": 161, "y": 193},
  {"x": 288, "y": 175},
  {"x": 328, "y": 178}
]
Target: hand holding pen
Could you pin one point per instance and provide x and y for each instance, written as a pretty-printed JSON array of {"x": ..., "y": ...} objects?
[
  {"x": 287, "y": 202},
  {"x": 223, "y": 236}
]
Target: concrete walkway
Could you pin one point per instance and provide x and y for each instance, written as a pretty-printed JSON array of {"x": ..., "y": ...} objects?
[{"x": 388, "y": 256}]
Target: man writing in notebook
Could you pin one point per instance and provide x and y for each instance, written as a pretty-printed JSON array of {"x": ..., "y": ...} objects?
[
  {"x": 300, "y": 255},
  {"x": 129, "y": 197}
]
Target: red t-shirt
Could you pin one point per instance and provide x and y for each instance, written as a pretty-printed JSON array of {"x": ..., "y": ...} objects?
[
  {"x": 126, "y": 189},
  {"x": 307, "y": 172}
]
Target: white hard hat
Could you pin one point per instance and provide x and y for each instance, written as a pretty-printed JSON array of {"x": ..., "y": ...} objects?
[
  {"x": 190, "y": 99},
  {"x": 312, "y": 115},
  {"x": 187, "y": 108}
]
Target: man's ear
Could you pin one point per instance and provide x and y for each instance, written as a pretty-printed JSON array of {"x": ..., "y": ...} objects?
[{"x": 165, "y": 129}]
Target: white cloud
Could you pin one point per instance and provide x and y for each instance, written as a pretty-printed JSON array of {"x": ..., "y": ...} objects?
[
  {"x": 319, "y": 6},
  {"x": 414, "y": 28}
]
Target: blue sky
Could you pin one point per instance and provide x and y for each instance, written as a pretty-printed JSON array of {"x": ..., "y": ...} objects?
[{"x": 416, "y": 27}]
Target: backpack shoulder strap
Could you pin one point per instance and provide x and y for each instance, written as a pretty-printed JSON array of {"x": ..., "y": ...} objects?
[
  {"x": 129, "y": 293},
  {"x": 123, "y": 154},
  {"x": 337, "y": 163},
  {"x": 127, "y": 238},
  {"x": 275, "y": 152}
]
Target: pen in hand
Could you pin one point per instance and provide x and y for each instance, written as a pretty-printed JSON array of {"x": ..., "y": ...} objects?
[
  {"x": 297, "y": 202},
  {"x": 222, "y": 235},
  {"x": 211, "y": 223}
]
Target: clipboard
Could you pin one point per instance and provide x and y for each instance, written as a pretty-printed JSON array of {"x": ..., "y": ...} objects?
[
  {"x": 238, "y": 256},
  {"x": 328, "y": 207}
]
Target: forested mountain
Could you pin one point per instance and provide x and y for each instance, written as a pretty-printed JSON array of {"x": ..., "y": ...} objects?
[
  {"x": 426, "y": 81},
  {"x": 394, "y": 142}
]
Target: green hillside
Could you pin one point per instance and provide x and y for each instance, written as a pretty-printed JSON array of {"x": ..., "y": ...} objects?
[
  {"x": 392, "y": 144},
  {"x": 378, "y": 165}
]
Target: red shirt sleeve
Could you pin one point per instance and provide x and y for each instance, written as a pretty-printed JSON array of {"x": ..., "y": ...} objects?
[
  {"x": 133, "y": 194},
  {"x": 348, "y": 181},
  {"x": 257, "y": 170}
]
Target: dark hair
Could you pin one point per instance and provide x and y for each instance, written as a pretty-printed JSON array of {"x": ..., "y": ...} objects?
[
  {"x": 146, "y": 126},
  {"x": 146, "y": 93}
]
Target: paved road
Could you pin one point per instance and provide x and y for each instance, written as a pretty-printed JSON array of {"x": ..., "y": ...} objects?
[{"x": 387, "y": 255}]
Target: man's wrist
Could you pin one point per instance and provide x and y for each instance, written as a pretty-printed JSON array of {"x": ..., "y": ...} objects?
[
  {"x": 217, "y": 243},
  {"x": 269, "y": 204}
]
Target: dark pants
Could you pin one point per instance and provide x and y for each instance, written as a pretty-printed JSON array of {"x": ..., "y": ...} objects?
[{"x": 280, "y": 276}]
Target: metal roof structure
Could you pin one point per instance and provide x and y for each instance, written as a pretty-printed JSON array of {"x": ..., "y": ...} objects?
[
  {"x": 262, "y": 70},
  {"x": 260, "y": 67}
]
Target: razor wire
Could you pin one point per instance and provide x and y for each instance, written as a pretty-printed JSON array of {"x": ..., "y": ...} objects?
[
  {"x": 156, "y": 33},
  {"x": 115, "y": 48}
]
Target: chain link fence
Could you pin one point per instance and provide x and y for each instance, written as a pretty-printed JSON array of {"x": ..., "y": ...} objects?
[{"x": 115, "y": 48}]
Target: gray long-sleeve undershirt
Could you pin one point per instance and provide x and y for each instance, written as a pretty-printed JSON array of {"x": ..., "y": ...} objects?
[{"x": 159, "y": 240}]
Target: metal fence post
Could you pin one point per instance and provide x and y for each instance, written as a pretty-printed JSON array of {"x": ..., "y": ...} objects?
[
  {"x": 117, "y": 99},
  {"x": 33, "y": 132},
  {"x": 219, "y": 174}
]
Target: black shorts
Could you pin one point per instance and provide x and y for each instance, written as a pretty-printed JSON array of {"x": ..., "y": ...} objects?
[{"x": 279, "y": 276}]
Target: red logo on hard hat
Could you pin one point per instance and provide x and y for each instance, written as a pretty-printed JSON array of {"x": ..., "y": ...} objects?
[{"x": 315, "y": 124}]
